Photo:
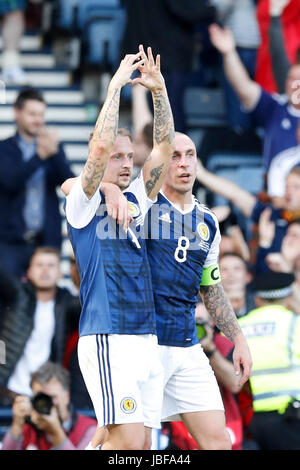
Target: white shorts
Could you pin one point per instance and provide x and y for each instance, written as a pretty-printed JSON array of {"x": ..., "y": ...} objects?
[
  {"x": 124, "y": 378},
  {"x": 189, "y": 382}
]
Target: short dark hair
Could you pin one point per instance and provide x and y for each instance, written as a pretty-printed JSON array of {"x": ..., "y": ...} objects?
[
  {"x": 50, "y": 370},
  {"x": 48, "y": 250},
  {"x": 28, "y": 94}
]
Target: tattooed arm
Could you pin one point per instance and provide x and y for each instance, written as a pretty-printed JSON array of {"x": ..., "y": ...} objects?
[
  {"x": 156, "y": 165},
  {"x": 104, "y": 134},
  {"x": 222, "y": 314}
]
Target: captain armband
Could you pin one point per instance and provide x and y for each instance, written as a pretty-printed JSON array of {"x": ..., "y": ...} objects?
[{"x": 210, "y": 275}]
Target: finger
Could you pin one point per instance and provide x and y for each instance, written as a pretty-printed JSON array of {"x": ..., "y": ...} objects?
[
  {"x": 142, "y": 52},
  {"x": 138, "y": 64},
  {"x": 114, "y": 213},
  {"x": 135, "y": 81},
  {"x": 245, "y": 376},
  {"x": 109, "y": 209},
  {"x": 150, "y": 56},
  {"x": 266, "y": 214},
  {"x": 130, "y": 58},
  {"x": 128, "y": 219},
  {"x": 237, "y": 366},
  {"x": 121, "y": 216},
  {"x": 137, "y": 55},
  {"x": 157, "y": 63}
]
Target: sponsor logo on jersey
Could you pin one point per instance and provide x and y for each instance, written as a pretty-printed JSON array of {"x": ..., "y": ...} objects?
[
  {"x": 128, "y": 405},
  {"x": 203, "y": 231},
  {"x": 134, "y": 209}
]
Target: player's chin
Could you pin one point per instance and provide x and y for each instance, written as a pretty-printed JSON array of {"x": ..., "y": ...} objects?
[
  {"x": 184, "y": 186},
  {"x": 124, "y": 181}
]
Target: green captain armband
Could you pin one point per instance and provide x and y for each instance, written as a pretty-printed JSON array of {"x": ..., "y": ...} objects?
[{"x": 210, "y": 275}]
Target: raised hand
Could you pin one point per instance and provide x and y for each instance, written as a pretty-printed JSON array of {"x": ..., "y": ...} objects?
[
  {"x": 266, "y": 228},
  {"x": 47, "y": 143},
  {"x": 151, "y": 76},
  {"x": 128, "y": 65},
  {"x": 222, "y": 39}
]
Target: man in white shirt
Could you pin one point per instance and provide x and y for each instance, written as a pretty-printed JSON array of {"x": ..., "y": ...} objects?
[{"x": 35, "y": 320}]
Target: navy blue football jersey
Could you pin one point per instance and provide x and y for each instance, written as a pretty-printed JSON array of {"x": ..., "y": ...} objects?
[
  {"x": 182, "y": 246},
  {"x": 116, "y": 290}
]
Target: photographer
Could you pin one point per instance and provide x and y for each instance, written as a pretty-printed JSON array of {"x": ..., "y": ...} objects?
[{"x": 48, "y": 420}]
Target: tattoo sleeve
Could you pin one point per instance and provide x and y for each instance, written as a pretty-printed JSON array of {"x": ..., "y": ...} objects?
[
  {"x": 105, "y": 132},
  {"x": 219, "y": 308},
  {"x": 163, "y": 125},
  {"x": 163, "y": 139}
]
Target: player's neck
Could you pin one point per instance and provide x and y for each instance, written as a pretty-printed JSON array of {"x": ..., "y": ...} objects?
[{"x": 183, "y": 200}]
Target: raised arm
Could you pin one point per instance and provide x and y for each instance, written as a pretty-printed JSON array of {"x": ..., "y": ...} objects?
[
  {"x": 157, "y": 164},
  {"x": 240, "y": 198},
  {"x": 279, "y": 58},
  {"x": 247, "y": 90},
  {"x": 105, "y": 131},
  {"x": 141, "y": 113}
]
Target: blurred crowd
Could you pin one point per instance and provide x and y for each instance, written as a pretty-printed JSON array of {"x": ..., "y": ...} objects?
[{"x": 250, "y": 51}]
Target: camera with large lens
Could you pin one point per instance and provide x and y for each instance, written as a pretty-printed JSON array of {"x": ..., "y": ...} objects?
[
  {"x": 200, "y": 327},
  {"x": 42, "y": 403}
]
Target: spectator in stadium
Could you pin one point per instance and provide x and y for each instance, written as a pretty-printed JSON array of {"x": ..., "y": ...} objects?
[
  {"x": 35, "y": 322},
  {"x": 278, "y": 116},
  {"x": 236, "y": 279},
  {"x": 252, "y": 207},
  {"x": 13, "y": 26},
  {"x": 58, "y": 426},
  {"x": 232, "y": 237},
  {"x": 32, "y": 165},
  {"x": 272, "y": 332},
  {"x": 285, "y": 160},
  {"x": 287, "y": 260},
  {"x": 240, "y": 18},
  {"x": 168, "y": 26},
  {"x": 290, "y": 20},
  {"x": 280, "y": 166}
]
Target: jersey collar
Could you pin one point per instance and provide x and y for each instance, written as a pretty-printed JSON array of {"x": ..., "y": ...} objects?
[{"x": 187, "y": 211}]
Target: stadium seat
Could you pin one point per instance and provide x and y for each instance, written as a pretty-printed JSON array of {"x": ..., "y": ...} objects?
[
  {"x": 88, "y": 9},
  {"x": 66, "y": 14},
  {"x": 246, "y": 170},
  {"x": 103, "y": 36},
  {"x": 102, "y": 25},
  {"x": 204, "y": 107}
]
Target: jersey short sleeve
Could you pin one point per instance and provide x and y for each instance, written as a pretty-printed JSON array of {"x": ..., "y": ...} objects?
[
  {"x": 211, "y": 272},
  {"x": 137, "y": 187},
  {"x": 213, "y": 254},
  {"x": 79, "y": 208}
]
